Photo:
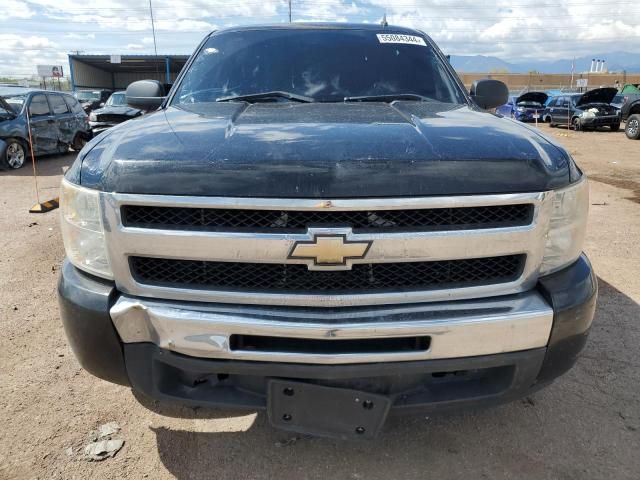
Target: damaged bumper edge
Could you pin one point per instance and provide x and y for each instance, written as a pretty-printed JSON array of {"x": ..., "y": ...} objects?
[{"x": 455, "y": 329}]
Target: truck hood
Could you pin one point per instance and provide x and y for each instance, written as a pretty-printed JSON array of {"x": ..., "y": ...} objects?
[
  {"x": 320, "y": 150},
  {"x": 598, "y": 95},
  {"x": 538, "y": 97}
]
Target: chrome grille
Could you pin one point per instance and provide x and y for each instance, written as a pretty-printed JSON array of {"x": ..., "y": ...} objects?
[
  {"x": 298, "y": 278},
  {"x": 433, "y": 219},
  {"x": 238, "y": 250}
]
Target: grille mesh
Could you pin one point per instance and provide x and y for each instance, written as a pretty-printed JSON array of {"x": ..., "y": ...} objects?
[
  {"x": 144, "y": 216},
  {"x": 297, "y": 278},
  {"x": 111, "y": 118}
]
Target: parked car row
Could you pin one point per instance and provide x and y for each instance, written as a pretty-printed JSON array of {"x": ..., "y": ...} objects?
[
  {"x": 57, "y": 123},
  {"x": 58, "y": 120},
  {"x": 600, "y": 107}
]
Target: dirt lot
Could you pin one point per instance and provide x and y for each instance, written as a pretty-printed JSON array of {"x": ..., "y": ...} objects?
[{"x": 585, "y": 426}]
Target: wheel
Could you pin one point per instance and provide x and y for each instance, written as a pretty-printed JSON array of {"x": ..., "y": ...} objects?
[
  {"x": 79, "y": 141},
  {"x": 15, "y": 155},
  {"x": 575, "y": 123},
  {"x": 632, "y": 129},
  {"x": 615, "y": 127}
]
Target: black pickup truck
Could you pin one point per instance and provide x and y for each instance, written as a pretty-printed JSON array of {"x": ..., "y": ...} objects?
[
  {"x": 630, "y": 111},
  {"x": 320, "y": 221}
]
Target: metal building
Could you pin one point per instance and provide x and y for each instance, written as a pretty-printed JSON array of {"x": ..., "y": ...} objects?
[{"x": 99, "y": 72}]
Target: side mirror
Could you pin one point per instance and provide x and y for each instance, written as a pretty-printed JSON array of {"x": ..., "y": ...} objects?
[
  {"x": 489, "y": 93},
  {"x": 145, "y": 94},
  {"x": 101, "y": 104}
]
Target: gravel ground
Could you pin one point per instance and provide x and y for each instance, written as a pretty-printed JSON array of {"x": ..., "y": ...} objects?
[{"x": 586, "y": 425}]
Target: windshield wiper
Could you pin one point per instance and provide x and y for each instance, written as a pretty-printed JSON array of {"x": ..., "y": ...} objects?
[
  {"x": 251, "y": 97},
  {"x": 387, "y": 98}
]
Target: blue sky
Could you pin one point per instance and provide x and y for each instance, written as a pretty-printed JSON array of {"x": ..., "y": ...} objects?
[{"x": 44, "y": 31}]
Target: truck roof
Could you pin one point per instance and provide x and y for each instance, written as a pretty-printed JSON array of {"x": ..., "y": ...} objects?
[{"x": 324, "y": 26}]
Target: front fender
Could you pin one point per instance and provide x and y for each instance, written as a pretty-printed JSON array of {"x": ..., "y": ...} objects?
[
  {"x": 632, "y": 108},
  {"x": 3, "y": 148}
]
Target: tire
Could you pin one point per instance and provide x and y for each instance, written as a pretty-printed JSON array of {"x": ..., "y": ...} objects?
[
  {"x": 575, "y": 123},
  {"x": 16, "y": 154},
  {"x": 615, "y": 127},
  {"x": 79, "y": 141},
  {"x": 632, "y": 129}
]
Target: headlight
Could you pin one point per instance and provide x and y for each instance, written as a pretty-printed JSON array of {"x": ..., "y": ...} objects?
[
  {"x": 520, "y": 109},
  {"x": 93, "y": 117},
  {"x": 567, "y": 226},
  {"x": 82, "y": 230}
]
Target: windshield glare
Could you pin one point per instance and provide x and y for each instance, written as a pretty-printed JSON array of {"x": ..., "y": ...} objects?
[
  {"x": 327, "y": 65},
  {"x": 87, "y": 96},
  {"x": 117, "y": 100},
  {"x": 16, "y": 101}
]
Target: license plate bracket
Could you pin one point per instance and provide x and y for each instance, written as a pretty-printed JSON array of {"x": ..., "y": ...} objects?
[{"x": 325, "y": 411}]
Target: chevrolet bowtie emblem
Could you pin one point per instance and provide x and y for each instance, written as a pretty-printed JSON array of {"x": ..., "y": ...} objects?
[{"x": 327, "y": 250}]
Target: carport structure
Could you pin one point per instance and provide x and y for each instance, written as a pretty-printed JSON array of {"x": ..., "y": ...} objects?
[{"x": 98, "y": 72}]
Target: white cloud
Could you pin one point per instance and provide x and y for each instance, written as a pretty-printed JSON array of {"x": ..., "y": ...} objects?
[
  {"x": 16, "y": 9},
  {"x": 526, "y": 30},
  {"x": 10, "y": 40},
  {"x": 21, "y": 54},
  {"x": 80, "y": 36},
  {"x": 325, "y": 11}
]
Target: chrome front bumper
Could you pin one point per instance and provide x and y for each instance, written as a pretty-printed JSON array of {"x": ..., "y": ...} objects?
[{"x": 457, "y": 329}]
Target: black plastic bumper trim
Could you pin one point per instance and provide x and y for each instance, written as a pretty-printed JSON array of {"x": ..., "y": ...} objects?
[
  {"x": 163, "y": 375},
  {"x": 84, "y": 308},
  {"x": 572, "y": 293}
]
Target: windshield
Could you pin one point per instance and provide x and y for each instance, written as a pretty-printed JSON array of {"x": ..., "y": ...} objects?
[
  {"x": 84, "y": 96},
  {"x": 324, "y": 64},
  {"x": 117, "y": 100},
  {"x": 16, "y": 101}
]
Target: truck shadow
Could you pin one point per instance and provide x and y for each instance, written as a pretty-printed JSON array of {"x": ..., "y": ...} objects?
[{"x": 552, "y": 434}]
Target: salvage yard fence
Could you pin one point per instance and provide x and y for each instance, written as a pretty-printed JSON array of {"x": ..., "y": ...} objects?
[{"x": 552, "y": 81}]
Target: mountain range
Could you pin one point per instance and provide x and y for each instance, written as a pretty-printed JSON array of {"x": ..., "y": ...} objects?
[{"x": 615, "y": 62}]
